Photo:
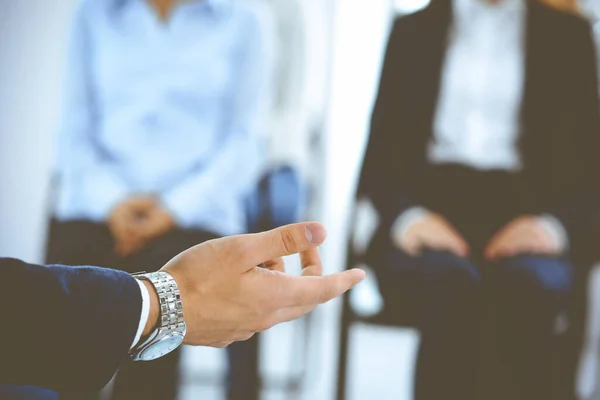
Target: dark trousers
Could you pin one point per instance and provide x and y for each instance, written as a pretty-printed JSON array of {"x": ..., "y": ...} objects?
[
  {"x": 487, "y": 329},
  {"x": 86, "y": 243},
  {"x": 243, "y": 380}
]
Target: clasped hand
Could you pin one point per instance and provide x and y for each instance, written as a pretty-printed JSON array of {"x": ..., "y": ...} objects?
[
  {"x": 136, "y": 221},
  {"x": 523, "y": 235}
]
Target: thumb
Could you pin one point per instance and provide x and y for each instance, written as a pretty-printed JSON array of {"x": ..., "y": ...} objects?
[{"x": 280, "y": 242}]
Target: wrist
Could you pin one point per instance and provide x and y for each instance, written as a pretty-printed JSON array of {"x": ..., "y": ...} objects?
[
  {"x": 407, "y": 220},
  {"x": 555, "y": 230},
  {"x": 154, "y": 315}
]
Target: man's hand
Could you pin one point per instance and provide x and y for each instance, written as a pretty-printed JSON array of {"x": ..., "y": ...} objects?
[
  {"x": 136, "y": 221},
  {"x": 227, "y": 298},
  {"x": 433, "y": 232},
  {"x": 523, "y": 235}
]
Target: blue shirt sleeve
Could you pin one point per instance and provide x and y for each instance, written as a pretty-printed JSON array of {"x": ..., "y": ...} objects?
[
  {"x": 90, "y": 186},
  {"x": 235, "y": 169}
]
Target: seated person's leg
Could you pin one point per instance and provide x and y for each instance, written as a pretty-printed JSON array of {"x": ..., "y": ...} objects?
[
  {"x": 244, "y": 379},
  {"x": 444, "y": 291},
  {"x": 530, "y": 294},
  {"x": 158, "y": 379},
  {"x": 149, "y": 380},
  {"x": 79, "y": 243}
]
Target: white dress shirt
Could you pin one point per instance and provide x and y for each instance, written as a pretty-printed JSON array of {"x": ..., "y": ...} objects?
[
  {"x": 145, "y": 314},
  {"x": 477, "y": 121}
]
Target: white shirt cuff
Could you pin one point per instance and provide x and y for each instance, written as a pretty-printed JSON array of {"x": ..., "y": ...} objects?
[
  {"x": 407, "y": 219},
  {"x": 556, "y": 229},
  {"x": 145, "y": 312}
]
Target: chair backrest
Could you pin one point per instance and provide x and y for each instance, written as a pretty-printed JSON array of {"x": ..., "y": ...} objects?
[
  {"x": 278, "y": 200},
  {"x": 363, "y": 224}
]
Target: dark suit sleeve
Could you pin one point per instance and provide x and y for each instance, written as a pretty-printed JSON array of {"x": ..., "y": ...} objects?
[
  {"x": 579, "y": 211},
  {"x": 384, "y": 167},
  {"x": 65, "y": 328}
]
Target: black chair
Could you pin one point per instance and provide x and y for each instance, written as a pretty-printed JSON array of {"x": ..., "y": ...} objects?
[
  {"x": 355, "y": 257},
  {"x": 568, "y": 341}
]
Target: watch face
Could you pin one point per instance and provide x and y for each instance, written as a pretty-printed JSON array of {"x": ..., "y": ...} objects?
[{"x": 164, "y": 347}]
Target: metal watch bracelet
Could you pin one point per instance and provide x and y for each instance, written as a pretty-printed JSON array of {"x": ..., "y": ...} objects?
[{"x": 172, "y": 324}]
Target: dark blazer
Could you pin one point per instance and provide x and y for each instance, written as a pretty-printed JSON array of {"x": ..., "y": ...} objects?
[
  {"x": 560, "y": 135},
  {"x": 65, "y": 328}
]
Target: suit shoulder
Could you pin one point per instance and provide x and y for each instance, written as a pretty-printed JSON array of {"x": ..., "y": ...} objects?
[
  {"x": 410, "y": 21},
  {"x": 406, "y": 27},
  {"x": 562, "y": 20}
]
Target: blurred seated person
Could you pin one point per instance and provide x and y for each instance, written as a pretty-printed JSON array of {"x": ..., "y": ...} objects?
[
  {"x": 161, "y": 143},
  {"x": 481, "y": 163}
]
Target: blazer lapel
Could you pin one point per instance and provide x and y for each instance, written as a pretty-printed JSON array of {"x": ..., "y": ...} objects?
[
  {"x": 531, "y": 68},
  {"x": 538, "y": 67},
  {"x": 430, "y": 44}
]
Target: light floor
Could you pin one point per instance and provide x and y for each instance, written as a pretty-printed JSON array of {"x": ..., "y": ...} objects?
[{"x": 380, "y": 367}]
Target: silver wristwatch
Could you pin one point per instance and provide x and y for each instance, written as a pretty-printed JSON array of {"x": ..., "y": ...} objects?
[{"x": 172, "y": 329}]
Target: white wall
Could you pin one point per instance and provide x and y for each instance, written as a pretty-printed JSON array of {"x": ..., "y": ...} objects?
[
  {"x": 32, "y": 44},
  {"x": 359, "y": 37}
]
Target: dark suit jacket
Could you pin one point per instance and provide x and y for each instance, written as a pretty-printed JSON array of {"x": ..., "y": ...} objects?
[
  {"x": 560, "y": 135},
  {"x": 65, "y": 328}
]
